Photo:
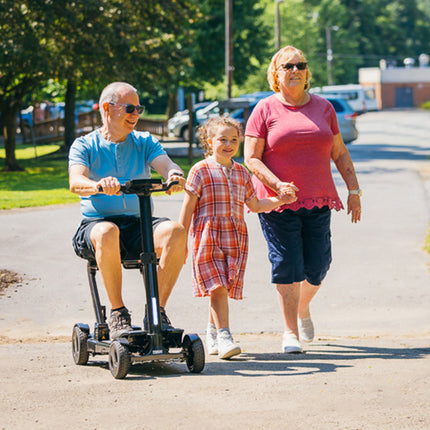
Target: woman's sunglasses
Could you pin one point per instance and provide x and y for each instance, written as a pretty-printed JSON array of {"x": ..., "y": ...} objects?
[
  {"x": 290, "y": 66},
  {"x": 130, "y": 108}
]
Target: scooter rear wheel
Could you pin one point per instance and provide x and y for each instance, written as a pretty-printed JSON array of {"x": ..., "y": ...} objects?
[
  {"x": 119, "y": 360},
  {"x": 79, "y": 346}
]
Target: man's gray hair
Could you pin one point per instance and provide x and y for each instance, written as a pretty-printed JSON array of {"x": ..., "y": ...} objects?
[{"x": 110, "y": 95}]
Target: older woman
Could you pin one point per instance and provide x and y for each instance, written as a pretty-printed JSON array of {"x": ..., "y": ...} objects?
[{"x": 291, "y": 137}]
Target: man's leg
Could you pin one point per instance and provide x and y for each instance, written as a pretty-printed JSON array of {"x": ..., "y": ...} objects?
[
  {"x": 105, "y": 239},
  {"x": 170, "y": 240}
]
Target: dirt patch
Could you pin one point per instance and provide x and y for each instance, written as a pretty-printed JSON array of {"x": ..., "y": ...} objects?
[{"x": 8, "y": 278}]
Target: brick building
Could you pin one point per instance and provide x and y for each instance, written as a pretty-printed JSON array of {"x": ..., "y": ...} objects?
[{"x": 398, "y": 86}]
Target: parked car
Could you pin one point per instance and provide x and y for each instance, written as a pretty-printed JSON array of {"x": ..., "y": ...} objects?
[
  {"x": 178, "y": 124},
  {"x": 346, "y": 117}
]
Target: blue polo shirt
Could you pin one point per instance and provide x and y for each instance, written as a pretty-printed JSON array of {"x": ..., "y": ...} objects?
[{"x": 127, "y": 160}]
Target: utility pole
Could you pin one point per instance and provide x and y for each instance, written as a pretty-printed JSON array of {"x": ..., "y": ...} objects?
[
  {"x": 329, "y": 51},
  {"x": 277, "y": 26},
  {"x": 229, "y": 45}
]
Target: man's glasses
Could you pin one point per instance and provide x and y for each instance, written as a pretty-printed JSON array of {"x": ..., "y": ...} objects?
[
  {"x": 130, "y": 108},
  {"x": 290, "y": 66}
]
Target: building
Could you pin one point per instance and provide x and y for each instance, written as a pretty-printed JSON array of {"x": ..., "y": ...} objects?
[{"x": 401, "y": 87}]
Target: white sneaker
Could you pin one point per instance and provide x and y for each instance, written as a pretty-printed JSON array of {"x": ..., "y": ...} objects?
[
  {"x": 290, "y": 344},
  {"x": 211, "y": 340},
  {"x": 306, "y": 330},
  {"x": 226, "y": 346}
]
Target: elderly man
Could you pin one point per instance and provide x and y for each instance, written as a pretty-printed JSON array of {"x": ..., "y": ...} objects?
[{"x": 110, "y": 229}]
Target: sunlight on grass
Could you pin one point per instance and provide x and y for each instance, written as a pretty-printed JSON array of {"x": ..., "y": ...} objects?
[{"x": 45, "y": 180}]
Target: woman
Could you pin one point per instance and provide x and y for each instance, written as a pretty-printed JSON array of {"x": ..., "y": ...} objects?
[{"x": 290, "y": 138}]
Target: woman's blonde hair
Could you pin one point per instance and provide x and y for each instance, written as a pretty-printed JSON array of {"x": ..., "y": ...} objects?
[
  {"x": 208, "y": 130},
  {"x": 272, "y": 71}
]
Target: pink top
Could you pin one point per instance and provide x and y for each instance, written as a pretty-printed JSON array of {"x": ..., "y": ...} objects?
[{"x": 298, "y": 149}]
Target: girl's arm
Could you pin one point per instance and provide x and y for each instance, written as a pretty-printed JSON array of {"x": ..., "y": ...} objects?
[
  {"x": 270, "y": 203},
  {"x": 188, "y": 206}
]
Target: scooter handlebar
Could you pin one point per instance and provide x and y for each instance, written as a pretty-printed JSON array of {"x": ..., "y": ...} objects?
[{"x": 143, "y": 186}]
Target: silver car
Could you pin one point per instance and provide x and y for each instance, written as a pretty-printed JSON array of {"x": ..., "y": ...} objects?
[{"x": 178, "y": 124}]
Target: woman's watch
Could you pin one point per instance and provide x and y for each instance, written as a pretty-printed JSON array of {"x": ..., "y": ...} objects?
[{"x": 355, "y": 192}]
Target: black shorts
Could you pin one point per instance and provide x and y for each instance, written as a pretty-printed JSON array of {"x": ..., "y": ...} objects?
[
  {"x": 299, "y": 244},
  {"x": 129, "y": 236}
]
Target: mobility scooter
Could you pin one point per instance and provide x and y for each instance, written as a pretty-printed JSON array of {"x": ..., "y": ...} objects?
[{"x": 153, "y": 342}]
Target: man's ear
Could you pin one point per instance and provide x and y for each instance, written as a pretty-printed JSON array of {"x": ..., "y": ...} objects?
[{"x": 105, "y": 106}]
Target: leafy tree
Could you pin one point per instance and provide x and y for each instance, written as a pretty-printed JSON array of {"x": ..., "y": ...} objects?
[{"x": 24, "y": 62}]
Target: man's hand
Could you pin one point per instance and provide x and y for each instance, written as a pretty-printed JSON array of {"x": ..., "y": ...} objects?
[
  {"x": 109, "y": 185},
  {"x": 176, "y": 176}
]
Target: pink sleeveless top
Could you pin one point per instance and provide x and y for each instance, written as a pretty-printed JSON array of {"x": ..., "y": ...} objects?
[{"x": 298, "y": 149}]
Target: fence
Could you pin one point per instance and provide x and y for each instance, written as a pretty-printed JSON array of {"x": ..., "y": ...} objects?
[{"x": 52, "y": 130}]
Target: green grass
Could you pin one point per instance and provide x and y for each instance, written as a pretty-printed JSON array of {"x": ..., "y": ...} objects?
[{"x": 45, "y": 179}]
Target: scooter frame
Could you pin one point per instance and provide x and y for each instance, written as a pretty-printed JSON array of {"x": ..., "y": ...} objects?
[{"x": 139, "y": 345}]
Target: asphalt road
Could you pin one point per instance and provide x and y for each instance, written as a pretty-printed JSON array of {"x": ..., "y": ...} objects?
[{"x": 375, "y": 303}]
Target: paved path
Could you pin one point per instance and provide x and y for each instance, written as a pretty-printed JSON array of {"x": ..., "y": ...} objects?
[{"x": 372, "y": 317}]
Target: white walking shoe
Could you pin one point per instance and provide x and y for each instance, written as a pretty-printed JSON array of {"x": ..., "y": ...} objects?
[
  {"x": 290, "y": 344},
  {"x": 306, "y": 330},
  {"x": 226, "y": 346}
]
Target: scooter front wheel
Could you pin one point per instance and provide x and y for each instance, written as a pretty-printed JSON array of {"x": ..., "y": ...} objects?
[
  {"x": 119, "y": 360},
  {"x": 195, "y": 354}
]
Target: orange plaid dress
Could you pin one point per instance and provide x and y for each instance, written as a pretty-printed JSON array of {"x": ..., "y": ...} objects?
[{"x": 218, "y": 228}]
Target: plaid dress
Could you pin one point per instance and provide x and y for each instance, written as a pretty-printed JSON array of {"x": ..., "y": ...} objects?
[{"x": 218, "y": 228}]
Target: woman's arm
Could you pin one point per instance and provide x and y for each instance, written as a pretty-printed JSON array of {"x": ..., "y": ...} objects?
[
  {"x": 254, "y": 147},
  {"x": 342, "y": 159}
]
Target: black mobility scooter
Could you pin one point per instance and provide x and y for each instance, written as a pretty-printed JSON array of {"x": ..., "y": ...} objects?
[{"x": 153, "y": 342}]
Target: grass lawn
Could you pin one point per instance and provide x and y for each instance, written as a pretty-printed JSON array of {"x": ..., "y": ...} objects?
[{"x": 45, "y": 179}]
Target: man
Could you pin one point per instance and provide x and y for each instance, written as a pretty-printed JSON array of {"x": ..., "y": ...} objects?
[{"x": 105, "y": 158}]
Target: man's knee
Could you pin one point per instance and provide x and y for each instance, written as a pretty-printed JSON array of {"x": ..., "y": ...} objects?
[
  {"x": 104, "y": 233},
  {"x": 170, "y": 233}
]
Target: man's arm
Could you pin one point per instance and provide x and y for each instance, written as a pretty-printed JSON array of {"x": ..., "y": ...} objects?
[
  {"x": 81, "y": 184},
  {"x": 169, "y": 170}
]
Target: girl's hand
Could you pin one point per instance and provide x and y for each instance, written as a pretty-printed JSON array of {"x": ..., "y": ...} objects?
[{"x": 287, "y": 192}]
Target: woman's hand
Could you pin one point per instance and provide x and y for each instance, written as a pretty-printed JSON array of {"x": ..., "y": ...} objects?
[
  {"x": 287, "y": 192},
  {"x": 354, "y": 207}
]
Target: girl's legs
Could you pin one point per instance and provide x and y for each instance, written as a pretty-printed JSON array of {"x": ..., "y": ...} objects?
[
  {"x": 219, "y": 308},
  {"x": 219, "y": 316}
]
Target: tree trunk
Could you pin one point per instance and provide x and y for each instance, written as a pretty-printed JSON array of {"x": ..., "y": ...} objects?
[
  {"x": 171, "y": 106},
  {"x": 69, "y": 114},
  {"x": 10, "y": 139}
]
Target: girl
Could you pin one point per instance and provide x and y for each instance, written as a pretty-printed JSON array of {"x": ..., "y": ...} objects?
[{"x": 216, "y": 190}]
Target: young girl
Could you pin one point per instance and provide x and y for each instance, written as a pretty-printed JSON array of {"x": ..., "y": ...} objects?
[{"x": 216, "y": 190}]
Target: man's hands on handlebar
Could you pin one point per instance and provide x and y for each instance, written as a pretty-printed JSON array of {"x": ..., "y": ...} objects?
[
  {"x": 109, "y": 186},
  {"x": 179, "y": 186}
]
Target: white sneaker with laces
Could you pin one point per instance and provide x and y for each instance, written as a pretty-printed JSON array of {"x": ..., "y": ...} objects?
[
  {"x": 226, "y": 346},
  {"x": 290, "y": 344},
  {"x": 211, "y": 340},
  {"x": 306, "y": 330}
]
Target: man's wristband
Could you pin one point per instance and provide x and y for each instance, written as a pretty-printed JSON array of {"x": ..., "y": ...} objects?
[{"x": 176, "y": 173}]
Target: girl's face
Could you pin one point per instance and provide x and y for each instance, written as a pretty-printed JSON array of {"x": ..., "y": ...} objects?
[{"x": 224, "y": 143}]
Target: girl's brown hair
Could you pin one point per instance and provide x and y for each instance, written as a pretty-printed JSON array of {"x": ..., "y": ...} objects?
[{"x": 208, "y": 130}]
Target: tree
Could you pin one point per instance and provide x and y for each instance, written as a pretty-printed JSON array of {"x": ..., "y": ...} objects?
[{"x": 24, "y": 62}]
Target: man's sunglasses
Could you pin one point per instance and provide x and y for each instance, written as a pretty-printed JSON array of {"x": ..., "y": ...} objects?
[
  {"x": 290, "y": 66},
  {"x": 130, "y": 108}
]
